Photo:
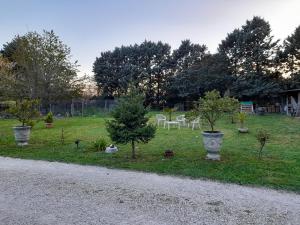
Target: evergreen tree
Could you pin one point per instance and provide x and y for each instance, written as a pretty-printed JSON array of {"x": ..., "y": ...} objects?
[
  {"x": 130, "y": 124},
  {"x": 289, "y": 59},
  {"x": 250, "y": 51}
]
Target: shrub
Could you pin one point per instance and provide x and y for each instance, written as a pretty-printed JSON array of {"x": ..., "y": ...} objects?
[
  {"x": 242, "y": 118},
  {"x": 231, "y": 106},
  {"x": 49, "y": 118},
  {"x": 211, "y": 107},
  {"x": 100, "y": 144},
  {"x": 25, "y": 111},
  {"x": 130, "y": 124},
  {"x": 262, "y": 136}
]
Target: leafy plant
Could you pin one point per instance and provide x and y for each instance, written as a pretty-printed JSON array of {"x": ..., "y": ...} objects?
[
  {"x": 242, "y": 118},
  {"x": 130, "y": 124},
  {"x": 49, "y": 118},
  {"x": 211, "y": 107},
  {"x": 191, "y": 115},
  {"x": 170, "y": 111},
  {"x": 262, "y": 136},
  {"x": 231, "y": 106},
  {"x": 25, "y": 111},
  {"x": 100, "y": 144}
]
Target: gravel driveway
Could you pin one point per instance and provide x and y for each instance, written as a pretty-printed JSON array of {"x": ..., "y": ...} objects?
[{"x": 37, "y": 192}]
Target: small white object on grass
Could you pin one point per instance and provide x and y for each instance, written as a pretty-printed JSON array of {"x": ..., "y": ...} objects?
[{"x": 111, "y": 149}]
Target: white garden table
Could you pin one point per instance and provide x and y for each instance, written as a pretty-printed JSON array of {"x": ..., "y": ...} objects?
[{"x": 168, "y": 123}]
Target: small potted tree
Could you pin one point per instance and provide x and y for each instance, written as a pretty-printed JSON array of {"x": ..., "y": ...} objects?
[
  {"x": 170, "y": 111},
  {"x": 25, "y": 111},
  {"x": 49, "y": 120},
  {"x": 211, "y": 107},
  {"x": 242, "y": 118}
]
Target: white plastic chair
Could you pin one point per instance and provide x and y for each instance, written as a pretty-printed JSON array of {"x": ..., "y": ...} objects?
[
  {"x": 195, "y": 123},
  {"x": 160, "y": 118},
  {"x": 181, "y": 120}
]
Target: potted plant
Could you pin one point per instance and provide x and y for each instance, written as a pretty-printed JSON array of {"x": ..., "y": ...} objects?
[
  {"x": 242, "y": 118},
  {"x": 170, "y": 111},
  {"x": 49, "y": 120},
  {"x": 210, "y": 108},
  {"x": 25, "y": 111}
]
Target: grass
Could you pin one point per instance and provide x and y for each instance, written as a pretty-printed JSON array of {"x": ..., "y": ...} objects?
[{"x": 279, "y": 167}]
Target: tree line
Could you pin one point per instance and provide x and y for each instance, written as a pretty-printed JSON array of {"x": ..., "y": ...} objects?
[{"x": 250, "y": 64}]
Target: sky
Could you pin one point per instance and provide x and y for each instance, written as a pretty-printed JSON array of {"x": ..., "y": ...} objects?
[{"x": 90, "y": 27}]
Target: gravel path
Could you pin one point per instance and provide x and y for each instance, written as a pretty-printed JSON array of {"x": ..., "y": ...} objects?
[{"x": 38, "y": 192}]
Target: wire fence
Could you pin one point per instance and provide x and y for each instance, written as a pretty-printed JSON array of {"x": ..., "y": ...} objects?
[{"x": 79, "y": 107}]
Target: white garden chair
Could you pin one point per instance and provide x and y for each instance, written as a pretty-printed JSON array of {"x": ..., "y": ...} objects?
[
  {"x": 181, "y": 120},
  {"x": 160, "y": 118},
  {"x": 195, "y": 123}
]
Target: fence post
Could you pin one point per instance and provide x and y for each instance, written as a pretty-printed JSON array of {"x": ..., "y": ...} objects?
[
  {"x": 82, "y": 107},
  {"x": 72, "y": 108}
]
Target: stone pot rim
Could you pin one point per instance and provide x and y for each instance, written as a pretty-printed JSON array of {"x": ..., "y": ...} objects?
[
  {"x": 212, "y": 132},
  {"x": 20, "y": 127}
]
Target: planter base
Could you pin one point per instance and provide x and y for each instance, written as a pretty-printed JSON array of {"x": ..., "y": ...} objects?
[
  {"x": 211, "y": 156},
  {"x": 49, "y": 125}
]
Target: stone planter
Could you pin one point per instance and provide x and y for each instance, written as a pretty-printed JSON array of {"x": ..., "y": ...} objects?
[
  {"x": 49, "y": 125},
  {"x": 111, "y": 149},
  {"x": 243, "y": 130},
  {"x": 212, "y": 143},
  {"x": 22, "y": 134}
]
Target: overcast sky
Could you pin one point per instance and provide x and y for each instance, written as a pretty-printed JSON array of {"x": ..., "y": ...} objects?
[{"x": 92, "y": 26}]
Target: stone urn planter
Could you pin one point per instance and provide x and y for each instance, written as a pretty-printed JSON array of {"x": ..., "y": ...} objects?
[
  {"x": 22, "y": 135},
  {"x": 49, "y": 120},
  {"x": 49, "y": 125},
  {"x": 212, "y": 143},
  {"x": 111, "y": 149},
  {"x": 243, "y": 130}
]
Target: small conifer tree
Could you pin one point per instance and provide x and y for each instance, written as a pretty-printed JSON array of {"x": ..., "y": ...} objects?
[{"x": 130, "y": 124}]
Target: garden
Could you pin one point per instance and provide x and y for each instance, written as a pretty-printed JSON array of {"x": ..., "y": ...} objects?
[
  {"x": 169, "y": 111},
  {"x": 83, "y": 140}
]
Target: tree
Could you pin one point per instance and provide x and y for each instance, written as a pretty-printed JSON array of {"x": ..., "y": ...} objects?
[
  {"x": 184, "y": 63},
  {"x": 251, "y": 52},
  {"x": 129, "y": 124},
  {"x": 144, "y": 67},
  {"x": 291, "y": 52},
  {"x": 6, "y": 78},
  {"x": 211, "y": 107},
  {"x": 43, "y": 68}
]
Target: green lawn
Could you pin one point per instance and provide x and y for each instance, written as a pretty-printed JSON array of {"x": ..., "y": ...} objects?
[{"x": 279, "y": 167}]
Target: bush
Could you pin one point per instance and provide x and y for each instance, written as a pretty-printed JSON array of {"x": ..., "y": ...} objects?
[
  {"x": 242, "y": 118},
  {"x": 100, "y": 144},
  {"x": 211, "y": 107},
  {"x": 49, "y": 118},
  {"x": 262, "y": 136},
  {"x": 25, "y": 111}
]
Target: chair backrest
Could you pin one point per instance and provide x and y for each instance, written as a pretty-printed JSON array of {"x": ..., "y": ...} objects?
[
  {"x": 197, "y": 120},
  {"x": 181, "y": 117},
  {"x": 160, "y": 116}
]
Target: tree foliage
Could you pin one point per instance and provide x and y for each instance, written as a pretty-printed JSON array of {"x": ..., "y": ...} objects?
[
  {"x": 42, "y": 67},
  {"x": 130, "y": 124},
  {"x": 25, "y": 111}
]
